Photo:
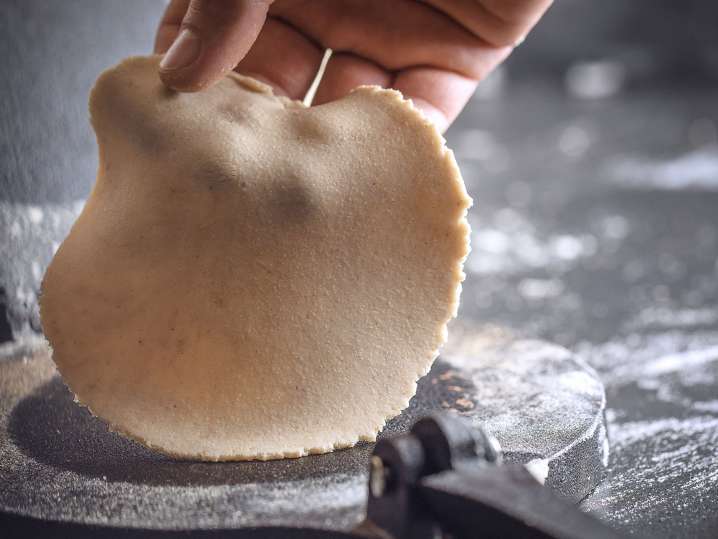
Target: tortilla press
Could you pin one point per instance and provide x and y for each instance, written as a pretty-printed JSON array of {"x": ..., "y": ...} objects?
[{"x": 63, "y": 473}]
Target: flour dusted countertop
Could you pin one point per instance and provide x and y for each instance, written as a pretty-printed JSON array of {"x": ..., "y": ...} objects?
[{"x": 597, "y": 228}]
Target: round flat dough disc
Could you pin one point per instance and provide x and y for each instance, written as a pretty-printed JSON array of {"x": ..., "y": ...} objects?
[{"x": 251, "y": 278}]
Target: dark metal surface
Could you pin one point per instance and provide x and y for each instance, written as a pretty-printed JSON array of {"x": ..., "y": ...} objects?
[
  {"x": 595, "y": 222},
  {"x": 15, "y": 527},
  {"x": 504, "y": 501},
  {"x": 59, "y": 463},
  {"x": 446, "y": 477}
]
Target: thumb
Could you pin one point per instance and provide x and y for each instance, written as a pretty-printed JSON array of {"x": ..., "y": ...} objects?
[{"x": 212, "y": 38}]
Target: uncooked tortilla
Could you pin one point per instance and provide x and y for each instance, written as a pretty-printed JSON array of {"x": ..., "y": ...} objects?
[{"x": 251, "y": 278}]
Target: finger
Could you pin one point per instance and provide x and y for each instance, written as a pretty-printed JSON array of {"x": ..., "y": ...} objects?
[
  {"x": 283, "y": 58},
  {"x": 213, "y": 37},
  {"x": 502, "y": 23},
  {"x": 440, "y": 95},
  {"x": 170, "y": 24},
  {"x": 364, "y": 29},
  {"x": 344, "y": 72}
]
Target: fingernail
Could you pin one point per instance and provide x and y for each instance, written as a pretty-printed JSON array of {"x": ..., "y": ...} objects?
[{"x": 183, "y": 51}]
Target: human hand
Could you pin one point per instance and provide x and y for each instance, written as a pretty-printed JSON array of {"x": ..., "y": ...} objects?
[{"x": 434, "y": 51}]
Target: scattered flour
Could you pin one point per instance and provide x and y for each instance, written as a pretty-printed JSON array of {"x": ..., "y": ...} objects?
[
  {"x": 34, "y": 234},
  {"x": 660, "y": 451},
  {"x": 649, "y": 357},
  {"x": 672, "y": 451},
  {"x": 673, "y": 318},
  {"x": 697, "y": 170},
  {"x": 511, "y": 245}
]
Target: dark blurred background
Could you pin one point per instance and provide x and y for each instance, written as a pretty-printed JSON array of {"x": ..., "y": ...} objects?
[{"x": 592, "y": 157}]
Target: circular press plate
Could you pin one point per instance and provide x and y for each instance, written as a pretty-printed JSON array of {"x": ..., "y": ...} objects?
[{"x": 59, "y": 463}]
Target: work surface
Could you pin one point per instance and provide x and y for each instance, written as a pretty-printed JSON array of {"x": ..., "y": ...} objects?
[
  {"x": 58, "y": 463},
  {"x": 595, "y": 227}
]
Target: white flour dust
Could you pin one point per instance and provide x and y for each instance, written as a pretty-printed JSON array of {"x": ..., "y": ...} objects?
[
  {"x": 672, "y": 450},
  {"x": 697, "y": 170},
  {"x": 509, "y": 244},
  {"x": 661, "y": 451},
  {"x": 34, "y": 233}
]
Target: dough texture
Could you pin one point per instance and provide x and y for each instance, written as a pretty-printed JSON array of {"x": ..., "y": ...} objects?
[{"x": 251, "y": 278}]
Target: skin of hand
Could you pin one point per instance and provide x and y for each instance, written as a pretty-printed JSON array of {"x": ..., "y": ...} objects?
[{"x": 434, "y": 51}]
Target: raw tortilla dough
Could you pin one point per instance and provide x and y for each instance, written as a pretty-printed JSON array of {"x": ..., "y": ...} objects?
[{"x": 251, "y": 278}]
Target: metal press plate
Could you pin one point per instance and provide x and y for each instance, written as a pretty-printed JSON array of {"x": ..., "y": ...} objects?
[{"x": 57, "y": 462}]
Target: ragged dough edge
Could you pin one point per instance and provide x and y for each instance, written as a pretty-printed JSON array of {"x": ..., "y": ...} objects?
[
  {"x": 414, "y": 119},
  {"x": 417, "y": 120}
]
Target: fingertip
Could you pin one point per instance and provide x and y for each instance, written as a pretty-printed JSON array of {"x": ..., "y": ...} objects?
[
  {"x": 188, "y": 66},
  {"x": 212, "y": 38},
  {"x": 439, "y": 94},
  {"x": 431, "y": 113},
  {"x": 194, "y": 78},
  {"x": 181, "y": 83}
]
